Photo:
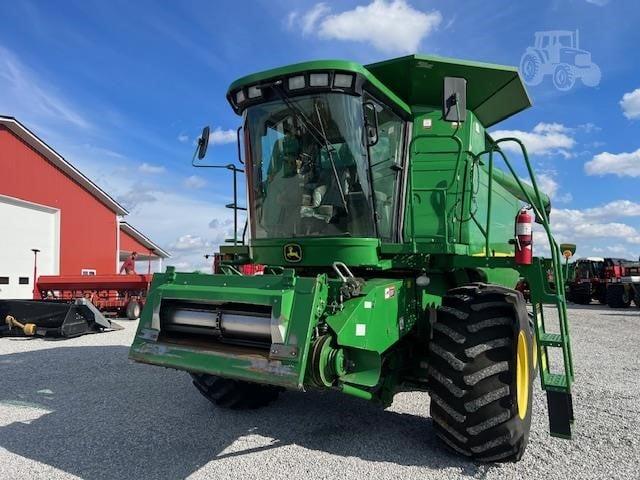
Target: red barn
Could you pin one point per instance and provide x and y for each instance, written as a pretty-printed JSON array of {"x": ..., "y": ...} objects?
[{"x": 49, "y": 205}]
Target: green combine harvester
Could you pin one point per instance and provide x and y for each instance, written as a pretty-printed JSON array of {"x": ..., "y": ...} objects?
[{"x": 392, "y": 244}]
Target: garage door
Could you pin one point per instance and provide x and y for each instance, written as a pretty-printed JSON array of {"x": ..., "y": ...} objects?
[{"x": 24, "y": 226}]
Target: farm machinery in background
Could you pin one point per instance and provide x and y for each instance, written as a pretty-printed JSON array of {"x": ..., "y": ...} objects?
[
  {"x": 622, "y": 279},
  {"x": 72, "y": 305},
  {"x": 586, "y": 281},
  {"x": 391, "y": 244},
  {"x": 611, "y": 281},
  {"x": 113, "y": 295}
]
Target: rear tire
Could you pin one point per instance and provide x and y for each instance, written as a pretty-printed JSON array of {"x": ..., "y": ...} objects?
[
  {"x": 618, "y": 296},
  {"x": 133, "y": 310},
  {"x": 235, "y": 394},
  {"x": 481, "y": 369}
]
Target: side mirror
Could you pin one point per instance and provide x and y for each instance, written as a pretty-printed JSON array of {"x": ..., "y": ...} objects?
[
  {"x": 203, "y": 142},
  {"x": 454, "y": 99},
  {"x": 371, "y": 123}
]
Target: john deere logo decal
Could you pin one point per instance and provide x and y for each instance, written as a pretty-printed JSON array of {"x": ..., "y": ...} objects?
[{"x": 292, "y": 252}]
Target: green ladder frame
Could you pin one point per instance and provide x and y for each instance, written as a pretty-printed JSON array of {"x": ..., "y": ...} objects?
[{"x": 557, "y": 385}]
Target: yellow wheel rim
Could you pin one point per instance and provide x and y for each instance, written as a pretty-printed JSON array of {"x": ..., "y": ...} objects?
[
  {"x": 522, "y": 375},
  {"x": 534, "y": 354}
]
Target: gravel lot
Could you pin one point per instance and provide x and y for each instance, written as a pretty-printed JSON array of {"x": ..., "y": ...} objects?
[{"x": 79, "y": 408}]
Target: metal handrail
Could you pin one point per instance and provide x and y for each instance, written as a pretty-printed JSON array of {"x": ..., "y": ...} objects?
[
  {"x": 233, "y": 205},
  {"x": 540, "y": 213}
]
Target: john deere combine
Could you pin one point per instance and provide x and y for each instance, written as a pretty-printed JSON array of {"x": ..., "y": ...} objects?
[{"x": 391, "y": 242}]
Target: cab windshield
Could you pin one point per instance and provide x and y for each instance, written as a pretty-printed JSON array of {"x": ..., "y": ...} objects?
[{"x": 308, "y": 170}]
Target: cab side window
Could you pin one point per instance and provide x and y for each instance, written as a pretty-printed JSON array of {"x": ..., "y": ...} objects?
[{"x": 386, "y": 158}]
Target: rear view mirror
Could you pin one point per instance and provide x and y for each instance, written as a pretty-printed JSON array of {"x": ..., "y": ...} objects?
[
  {"x": 203, "y": 143},
  {"x": 454, "y": 99},
  {"x": 371, "y": 123}
]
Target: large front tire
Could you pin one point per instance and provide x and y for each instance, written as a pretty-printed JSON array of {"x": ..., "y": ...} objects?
[
  {"x": 482, "y": 366},
  {"x": 235, "y": 394}
]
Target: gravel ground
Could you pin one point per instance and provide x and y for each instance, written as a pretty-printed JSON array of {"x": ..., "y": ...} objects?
[{"x": 79, "y": 408}]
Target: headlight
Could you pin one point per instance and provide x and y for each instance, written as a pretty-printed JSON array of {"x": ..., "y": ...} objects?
[
  {"x": 296, "y": 82},
  {"x": 254, "y": 91},
  {"x": 319, "y": 79},
  {"x": 343, "y": 80}
]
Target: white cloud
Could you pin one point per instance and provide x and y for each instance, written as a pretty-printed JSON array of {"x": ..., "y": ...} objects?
[
  {"x": 24, "y": 95},
  {"x": 188, "y": 242},
  {"x": 620, "y": 164},
  {"x": 136, "y": 195},
  {"x": 615, "y": 209},
  {"x": 547, "y": 184},
  {"x": 544, "y": 139},
  {"x": 589, "y": 127},
  {"x": 152, "y": 169},
  {"x": 618, "y": 249},
  {"x": 217, "y": 224},
  {"x": 630, "y": 104},
  {"x": 565, "y": 198},
  {"x": 309, "y": 19},
  {"x": 585, "y": 225},
  {"x": 187, "y": 237},
  {"x": 390, "y": 26},
  {"x": 596, "y": 230},
  {"x": 218, "y": 136},
  {"x": 194, "y": 182},
  {"x": 183, "y": 138},
  {"x": 599, "y": 3}
]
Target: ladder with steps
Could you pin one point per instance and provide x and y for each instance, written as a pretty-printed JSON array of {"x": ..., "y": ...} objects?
[{"x": 555, "y": 379}]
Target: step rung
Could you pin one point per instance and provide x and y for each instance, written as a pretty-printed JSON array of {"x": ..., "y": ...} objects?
[
  {"x": 551, "y": 340},
  {"x": 555, "y": 381}
]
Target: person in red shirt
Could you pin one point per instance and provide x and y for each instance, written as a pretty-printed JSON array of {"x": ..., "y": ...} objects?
[{"x": 129, "y": 265}]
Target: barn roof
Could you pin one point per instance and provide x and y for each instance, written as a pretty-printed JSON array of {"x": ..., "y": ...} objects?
[
  {"x": 143, "y": 240},
  {"x": 59, "y": 161}
]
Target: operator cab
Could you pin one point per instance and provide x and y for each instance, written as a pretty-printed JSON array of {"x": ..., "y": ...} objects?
[{"x": 324, "y": 157}]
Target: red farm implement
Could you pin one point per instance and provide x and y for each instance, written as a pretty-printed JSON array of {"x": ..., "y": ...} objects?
[{"x": 113, "y": 295}]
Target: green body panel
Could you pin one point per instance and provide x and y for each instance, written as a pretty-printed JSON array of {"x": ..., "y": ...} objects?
[
  {"x": 379, "y": 318},
  {"x": 362, "y": 252},
  {"x": 296, "y": 303},
  {"x": 449, "y": 190}
]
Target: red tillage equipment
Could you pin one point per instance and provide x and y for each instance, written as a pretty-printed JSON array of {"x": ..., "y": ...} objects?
[{"x": 111, "y": 294}]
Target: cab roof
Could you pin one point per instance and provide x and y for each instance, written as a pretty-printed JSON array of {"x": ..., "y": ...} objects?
[{"x": 494, "y": 92}]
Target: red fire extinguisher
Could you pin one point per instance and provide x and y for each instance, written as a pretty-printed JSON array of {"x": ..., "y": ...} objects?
[{"x": 524, "y": 238}]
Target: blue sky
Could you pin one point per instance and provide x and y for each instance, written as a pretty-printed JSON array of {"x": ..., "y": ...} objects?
[{"x": 121, "y": 89}]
